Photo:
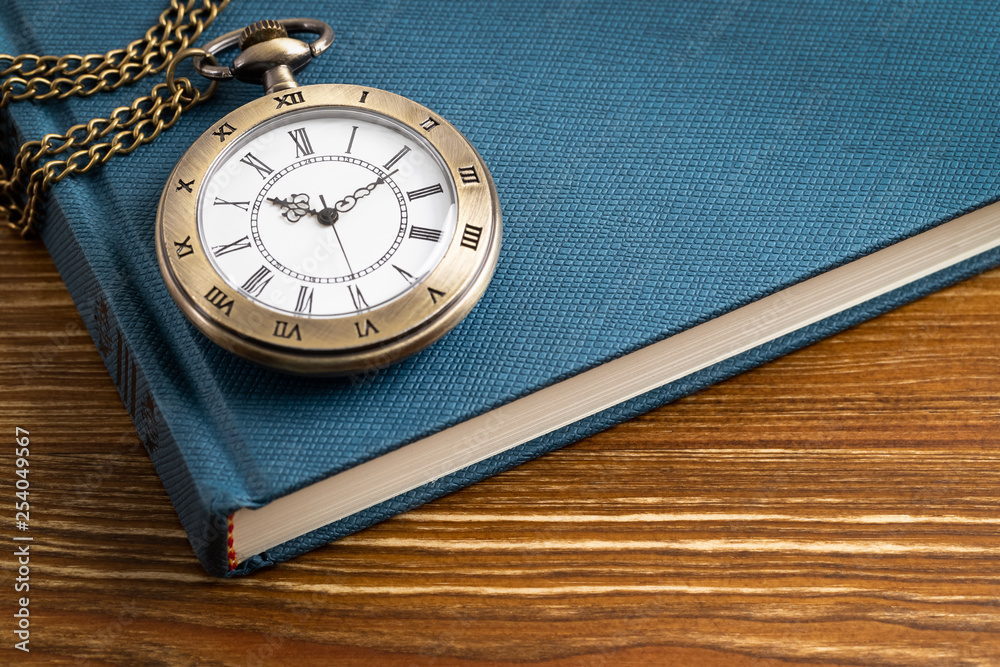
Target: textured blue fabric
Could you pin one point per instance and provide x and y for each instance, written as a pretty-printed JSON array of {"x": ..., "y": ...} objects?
[{"x": 658, "y": 163}]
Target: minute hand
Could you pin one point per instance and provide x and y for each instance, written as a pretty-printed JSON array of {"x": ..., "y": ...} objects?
[{"x": 348, "y": 202}]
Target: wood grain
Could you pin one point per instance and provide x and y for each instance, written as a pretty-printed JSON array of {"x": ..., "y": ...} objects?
[{"x": 839, "y": 506}]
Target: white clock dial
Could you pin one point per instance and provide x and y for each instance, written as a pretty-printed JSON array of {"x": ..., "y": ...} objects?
[{"x": 327, "y": 212}]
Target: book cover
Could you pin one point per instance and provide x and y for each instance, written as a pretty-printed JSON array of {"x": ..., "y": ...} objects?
[{"x": 658, "y": 164}]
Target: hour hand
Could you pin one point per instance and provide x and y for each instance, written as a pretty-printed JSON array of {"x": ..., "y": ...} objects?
[{"x": 295, "y": 207}]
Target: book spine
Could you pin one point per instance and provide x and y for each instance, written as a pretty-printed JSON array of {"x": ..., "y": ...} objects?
[{"x": 207, "y": 531}]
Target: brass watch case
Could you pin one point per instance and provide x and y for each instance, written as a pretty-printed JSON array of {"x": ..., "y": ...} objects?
[{"x": 331, "y": 345}]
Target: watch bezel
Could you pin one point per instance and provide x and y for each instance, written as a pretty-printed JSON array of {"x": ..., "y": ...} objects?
[{"x": 342, "y": 344}]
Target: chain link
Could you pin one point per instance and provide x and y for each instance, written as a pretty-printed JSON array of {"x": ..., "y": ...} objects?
[{"x": 33, "y": 170}]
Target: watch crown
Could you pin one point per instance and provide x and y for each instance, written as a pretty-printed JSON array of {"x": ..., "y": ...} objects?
[{"x": 261, "y": 31}]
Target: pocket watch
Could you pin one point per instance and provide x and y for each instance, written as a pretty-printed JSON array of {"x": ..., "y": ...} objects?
[{"x": 325, "y": 229}]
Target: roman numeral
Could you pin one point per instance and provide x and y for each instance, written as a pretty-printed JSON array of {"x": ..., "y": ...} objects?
[
  {"x": 220, "y": 300},
  {"x": 424, "y": 234},
  {"x": 397, "y": 157},
  {"x": 281, "y": 330},
  {"x": 369, "y": 327},
  {"x": 184, "y": 247},
  {"x": 357, "y": 297},
  {"x": 425, "y": 192},
  {"x": 301, "y": 139},
  {"x": 288, "y": 100},
  {"x": 434, "y": 294},
  {"x": 238, "y": 244},
  {"x": 350, "y": 142},
  {"x": 184, "y": 185},
  {"x": 364, "y": 96},
  {"x": 254, "y": 161},
  {"x": 224, "y": 131},
  {"x": 429, "y": 124},
  {"x": 468, "y": 175},
  {"x": 256, "y": 283},
  {"x": 407, "y": 276},
  {"x": 238, "y": 204},
  {"x": 470, "y": 237},
  {"x": 304, "y": 304}
]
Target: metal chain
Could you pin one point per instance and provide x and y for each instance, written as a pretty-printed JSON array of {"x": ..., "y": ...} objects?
[{"x": 34, "y": 169}]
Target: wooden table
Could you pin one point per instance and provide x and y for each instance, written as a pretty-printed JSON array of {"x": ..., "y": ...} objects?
[{"x": 841, "y": 505}]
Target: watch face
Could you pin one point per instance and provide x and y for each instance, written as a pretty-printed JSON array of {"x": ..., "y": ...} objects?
[
  {"x": 328, "y": 229},
  {"x": 327, "y": 212}
]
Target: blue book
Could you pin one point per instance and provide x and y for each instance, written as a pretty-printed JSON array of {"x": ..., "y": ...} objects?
[{"x": 689, "y": 189}]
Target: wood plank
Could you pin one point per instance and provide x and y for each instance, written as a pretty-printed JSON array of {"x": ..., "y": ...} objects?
[{"x": 839, "y": 505}]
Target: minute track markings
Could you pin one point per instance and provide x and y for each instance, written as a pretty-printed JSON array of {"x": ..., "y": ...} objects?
[{"x": 266, "y": 191}]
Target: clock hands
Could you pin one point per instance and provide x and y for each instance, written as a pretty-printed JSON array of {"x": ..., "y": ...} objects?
[
  {"x": 297, "y": 206},
  {"x": 294, "y": 208},
  {"x": 348, "y": 202},
  {"x": 323, "y": 215},
  {"x": 330, "y": 214}
]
